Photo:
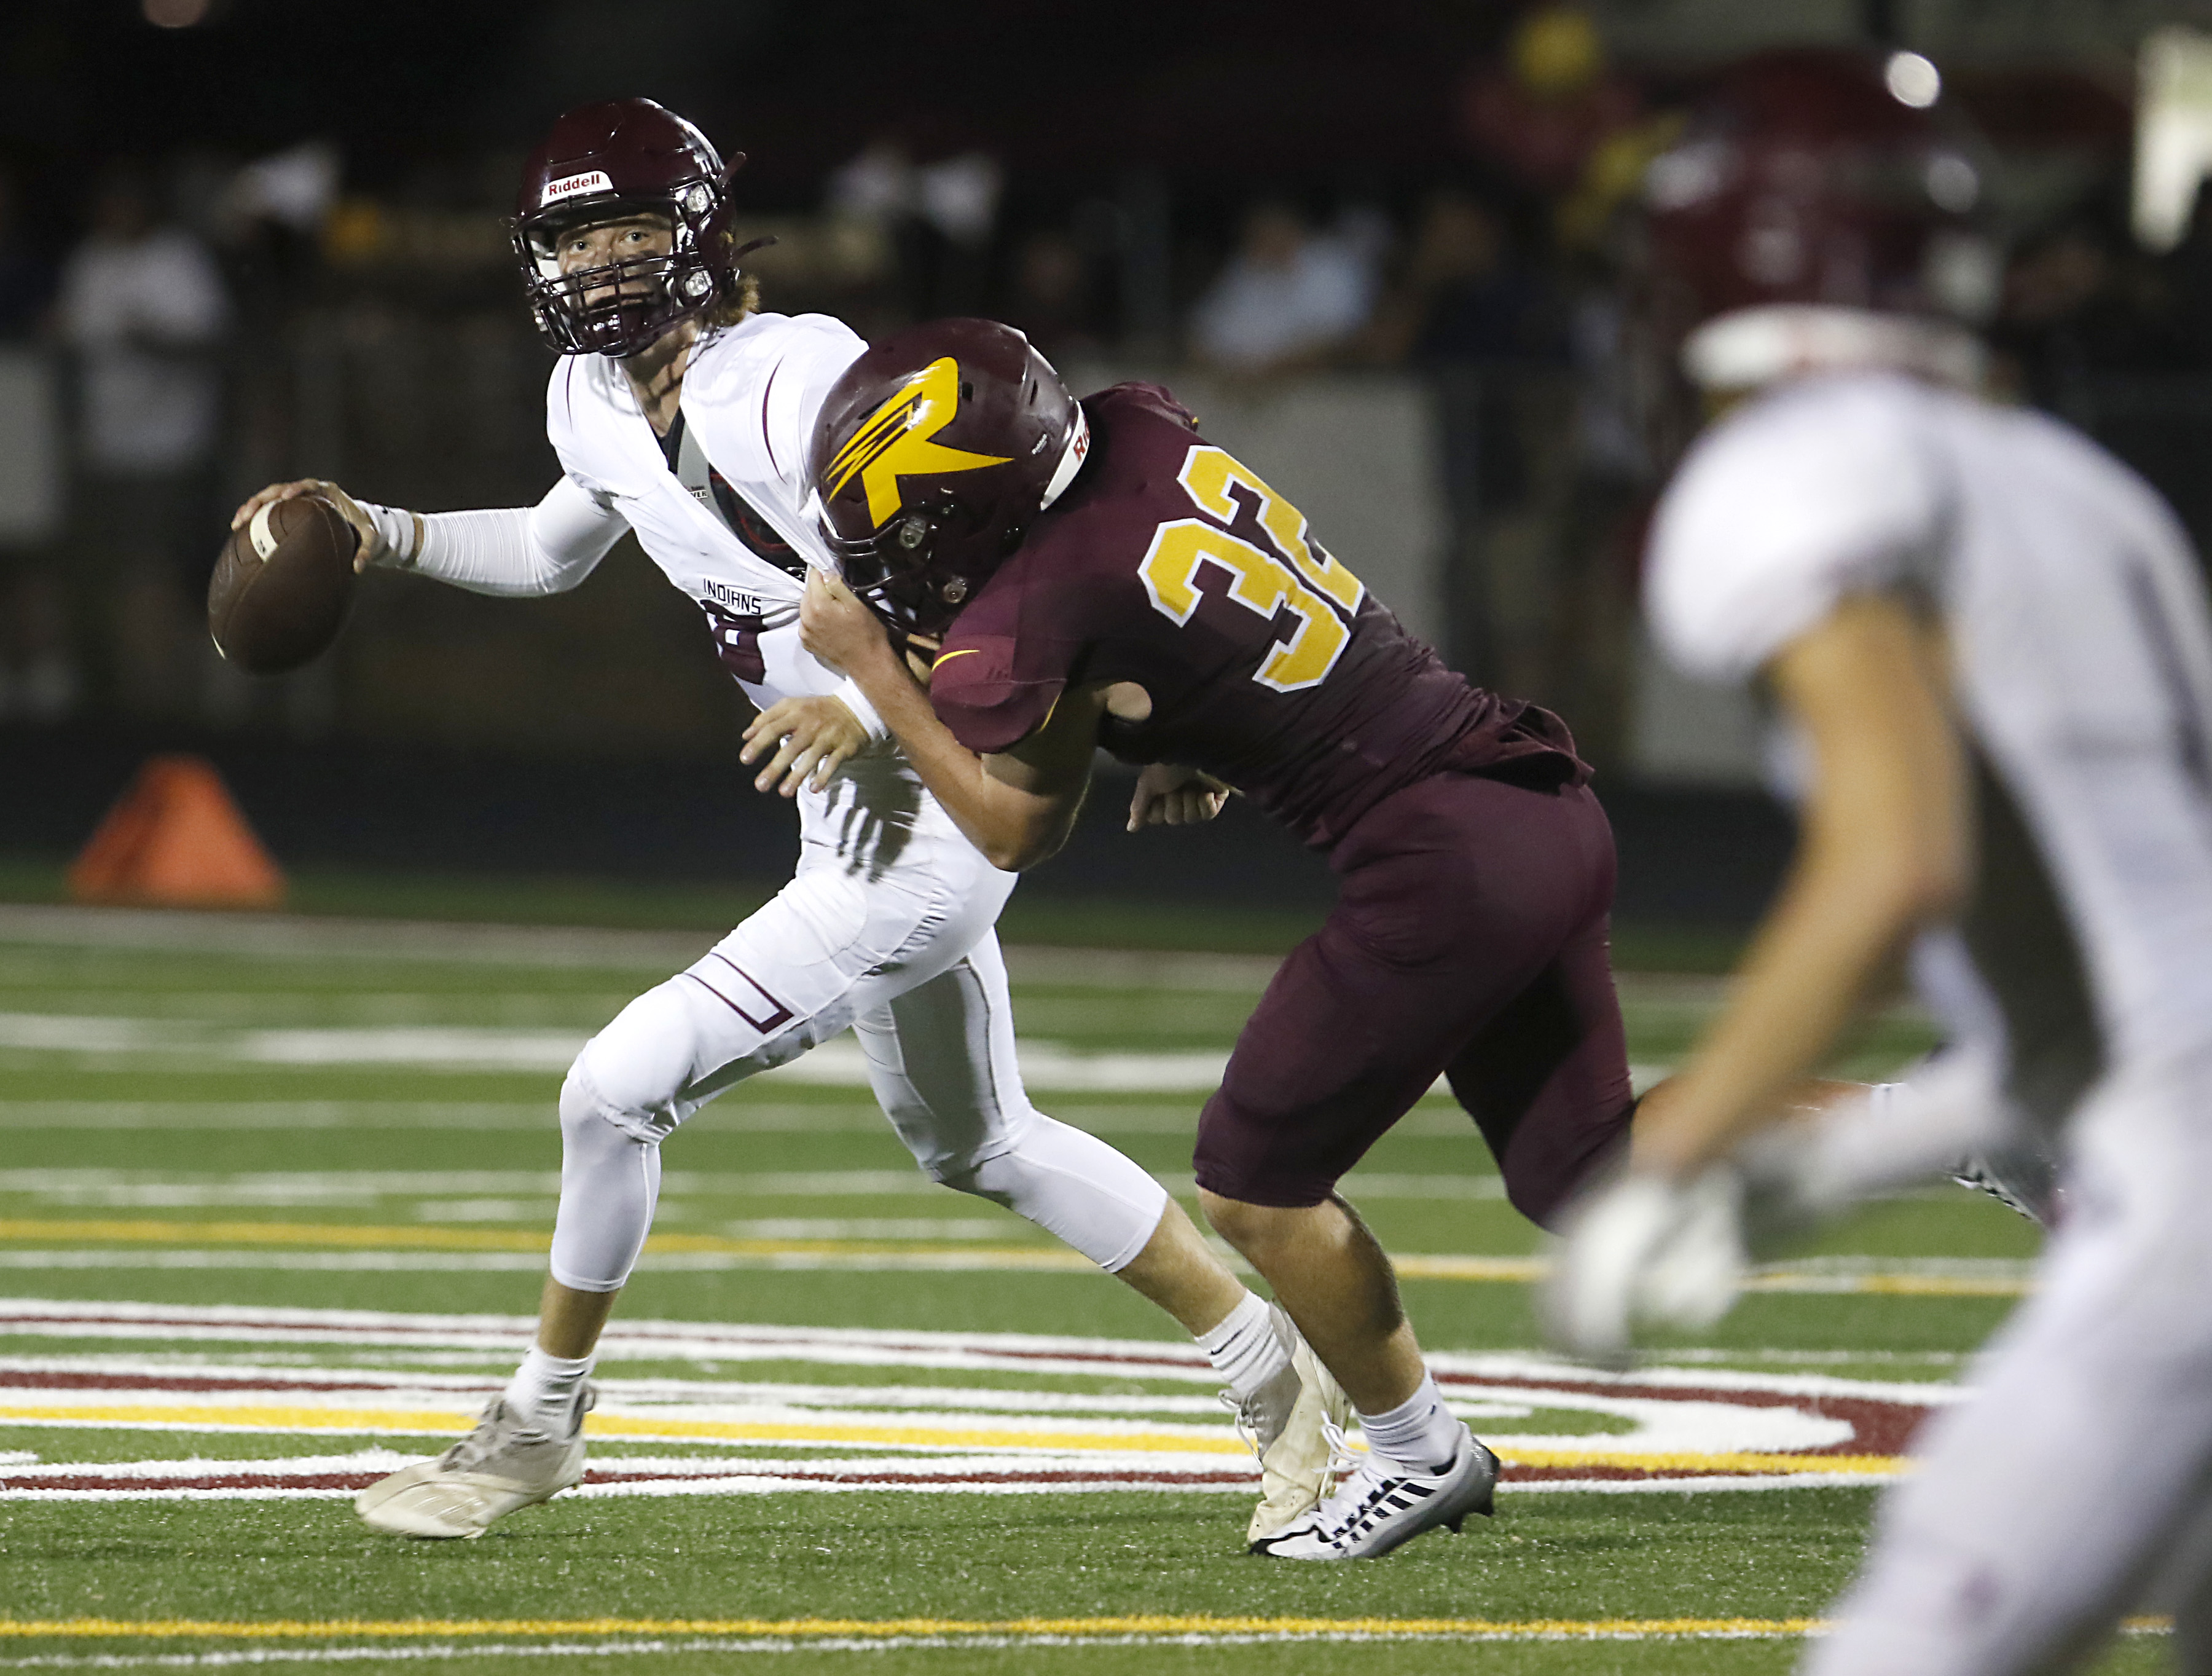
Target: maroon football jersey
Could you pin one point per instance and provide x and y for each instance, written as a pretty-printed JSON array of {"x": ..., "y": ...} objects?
[{"x": 1171, "y": 564}]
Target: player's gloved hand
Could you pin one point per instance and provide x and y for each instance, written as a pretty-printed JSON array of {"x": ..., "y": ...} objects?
[
  {"x": 812, "y": 736},
  {"x": 1168, "y": 795},
  {"x": 1645, "y": 1250},
  {"x": 387, "y": 540}
]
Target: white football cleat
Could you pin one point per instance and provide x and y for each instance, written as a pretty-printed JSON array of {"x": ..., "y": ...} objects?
[
  {"x": 501, "y": 1465},
  {"x": 1287, "y": 1423},
  {"x": 1379, "y": 1507}
]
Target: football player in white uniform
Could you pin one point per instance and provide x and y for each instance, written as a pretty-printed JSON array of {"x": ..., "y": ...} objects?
[
  {"x": 1994, "y": 641},
  {"x": 681, "y": 413}
]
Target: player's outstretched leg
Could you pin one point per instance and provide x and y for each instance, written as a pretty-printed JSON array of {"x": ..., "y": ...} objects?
[
  {"x": 941, "y": 1058},
  {"x": 1423, "y": 1468},
  {"x": 528, "y": 1446}
]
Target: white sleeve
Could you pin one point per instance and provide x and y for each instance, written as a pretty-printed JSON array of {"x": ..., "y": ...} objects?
[
  {"x": 517, "y": 550},
  {"x": 1788, "y": 507}
]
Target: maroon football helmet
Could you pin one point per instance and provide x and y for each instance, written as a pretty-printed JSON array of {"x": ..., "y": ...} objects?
[
  {"x": 1825, "y": 179},
  {"x": 933, "y": 454},
  {"x": 623, "y": 157}
]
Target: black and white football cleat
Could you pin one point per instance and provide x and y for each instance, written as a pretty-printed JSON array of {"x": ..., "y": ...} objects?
[
  {"x": 1378, "y": 1507},
  {"x": 2023, "y": 1179}
]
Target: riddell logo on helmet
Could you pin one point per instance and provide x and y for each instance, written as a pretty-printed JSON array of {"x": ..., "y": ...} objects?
[{"x": 573, "y": 186}]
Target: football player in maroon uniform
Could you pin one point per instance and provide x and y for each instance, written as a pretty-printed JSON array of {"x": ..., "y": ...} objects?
[
  {"x": 681, "y": 412},
  {"x": 1098, "y": 573}
]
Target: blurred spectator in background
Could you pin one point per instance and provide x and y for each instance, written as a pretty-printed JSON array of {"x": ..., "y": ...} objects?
[
  {"x": 2079, "y": 301},
  {"x": 143, "y": 308},
  {"x": 27, "y": 271},
  {"x": 1291, "y": 298},
  {"x": 2189, "y": 284},
  {"x": 1538, "y": 118},
  {"x": 939, "y": 217},
  {"x": 1488, "y": 326},
  {"x": 38, "y": 672},
  {"x": 1049, "y": 297}
]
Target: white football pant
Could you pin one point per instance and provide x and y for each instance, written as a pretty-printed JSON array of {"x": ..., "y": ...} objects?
[
  {"x": 2074, "y": 1484},
  {"x": 886, "y": 928}
]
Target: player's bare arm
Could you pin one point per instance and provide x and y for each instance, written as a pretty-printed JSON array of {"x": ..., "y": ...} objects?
[
  {"x": 1885, "y": 852},
  {"x": 1017, "y": 807}
]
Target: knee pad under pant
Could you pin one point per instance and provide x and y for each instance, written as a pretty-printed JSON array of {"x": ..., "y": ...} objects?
[
  {"x": 1071, "y": 1184},
  {"x": 610, "y": 1183}
]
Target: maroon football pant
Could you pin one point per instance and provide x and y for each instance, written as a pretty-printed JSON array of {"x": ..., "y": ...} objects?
[{"x": 1468, "y": 940}]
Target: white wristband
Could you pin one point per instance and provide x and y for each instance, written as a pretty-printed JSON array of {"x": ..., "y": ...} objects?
[
  {"x": 395, "y": 527},
  {"x": 849, "y": 694}
]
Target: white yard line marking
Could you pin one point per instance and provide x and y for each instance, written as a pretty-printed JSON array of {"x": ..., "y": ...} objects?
[
  {"x": 183, "y": 1187},
  {"x": 292, "y": 936},
  {"x": 840, "y": 1063},
  {"x": 650, "y": 1638},
  {"x": 740, "y": 1110}
]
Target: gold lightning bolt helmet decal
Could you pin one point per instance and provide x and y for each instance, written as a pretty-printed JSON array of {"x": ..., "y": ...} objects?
[{"x": 895, "y": 443}]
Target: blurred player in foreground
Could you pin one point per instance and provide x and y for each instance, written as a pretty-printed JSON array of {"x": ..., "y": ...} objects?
[
  {"x": 1993, "y": 643},
  {"x": 680, "y": 413},
  {"x": 1146, "y": 592}
]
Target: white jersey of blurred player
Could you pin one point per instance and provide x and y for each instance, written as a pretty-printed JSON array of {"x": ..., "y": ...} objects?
[
  {"x": 2077, "y": 987},
  {"x": 886, "y": 926}
]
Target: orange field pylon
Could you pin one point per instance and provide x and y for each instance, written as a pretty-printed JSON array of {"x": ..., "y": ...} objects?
[{"x": 175, "y": 838}]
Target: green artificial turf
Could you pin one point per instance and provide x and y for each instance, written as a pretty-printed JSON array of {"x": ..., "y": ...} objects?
[{"x": 179, "y": 1132}]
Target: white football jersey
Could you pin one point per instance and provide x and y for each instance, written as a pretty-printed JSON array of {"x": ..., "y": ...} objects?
[
  {"x": 728, "y": 522},
  {"x": 2083, "y": 664}
]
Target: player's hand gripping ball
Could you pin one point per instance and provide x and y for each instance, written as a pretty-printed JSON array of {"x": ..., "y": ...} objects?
[{"x": 283, "y": 581}]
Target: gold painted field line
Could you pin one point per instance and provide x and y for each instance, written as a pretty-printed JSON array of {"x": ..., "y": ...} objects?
[
  {"x": 1519, "y": 1270},
  {"x": 800, "y": 1629},
  {"x": 143, "y": 1232},
  {"x": 280, "y": 1418},
  {"x": 360, "y": 1421}
]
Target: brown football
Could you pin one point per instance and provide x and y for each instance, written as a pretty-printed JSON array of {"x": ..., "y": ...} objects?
[{"x": 280, "y": 590}]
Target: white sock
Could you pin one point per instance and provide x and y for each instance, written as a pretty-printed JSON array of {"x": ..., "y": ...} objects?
[
  {"x": 1244, "y": 1347},
  {"x": 1418, "y": 1436},
  {"x": 544, "y": 1391}
]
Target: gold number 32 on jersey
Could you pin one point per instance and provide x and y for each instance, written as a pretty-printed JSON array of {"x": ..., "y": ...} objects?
[{"x": 1320, "y": 592}]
